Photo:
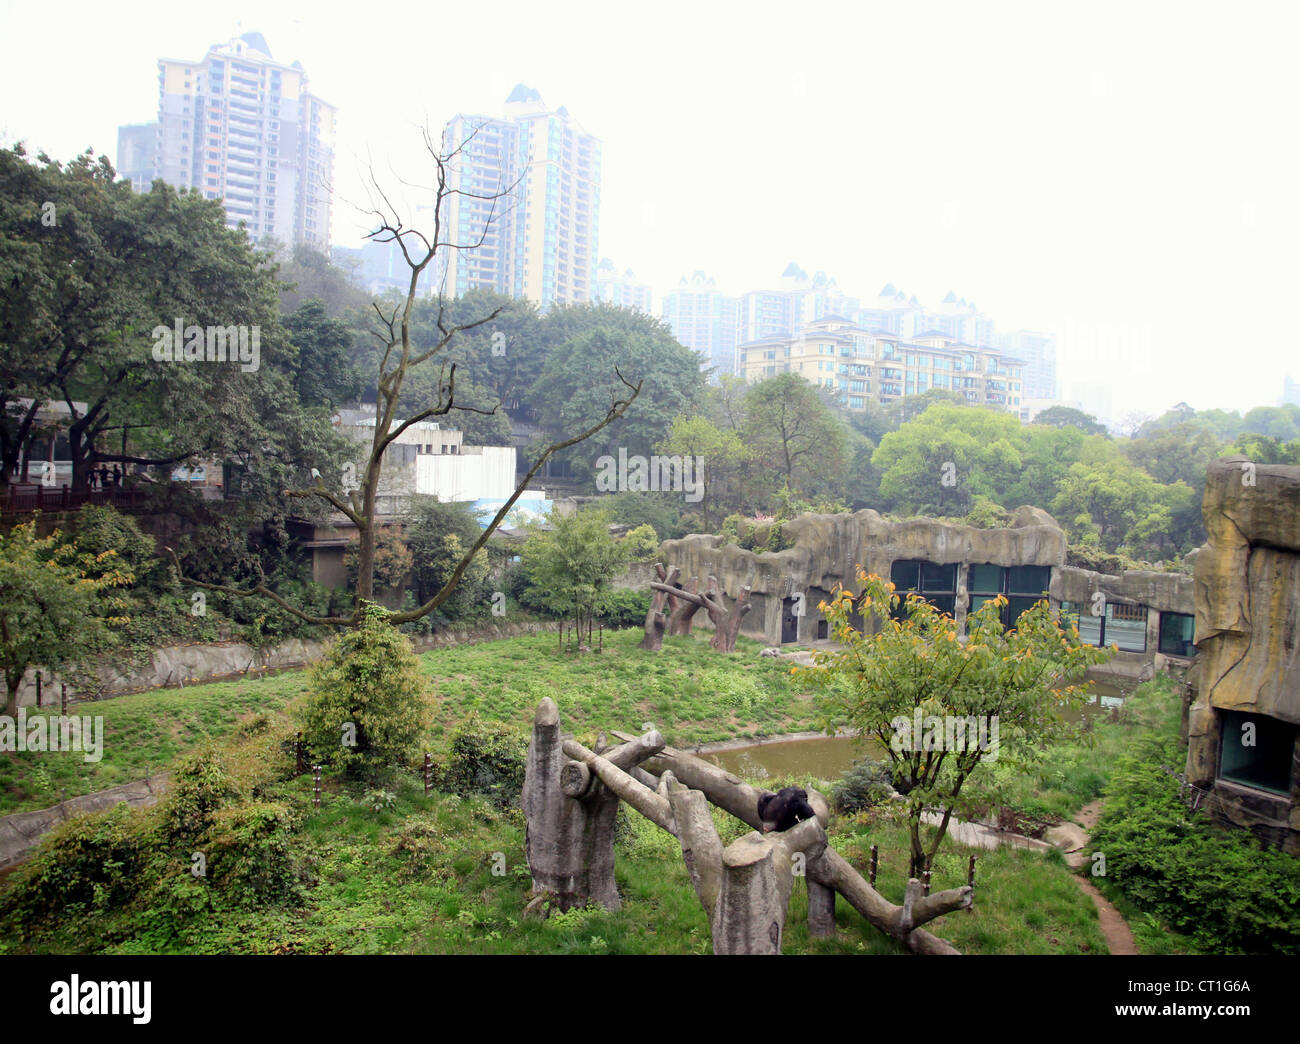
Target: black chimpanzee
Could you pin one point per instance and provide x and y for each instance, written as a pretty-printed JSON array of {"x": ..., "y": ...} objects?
[{"x": 782, "y": 810}]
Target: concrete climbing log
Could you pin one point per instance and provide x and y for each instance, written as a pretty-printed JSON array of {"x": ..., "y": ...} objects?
[
  {"x": 829, "y": 870},
  {"x": 569, "y": 842},
  {"x": 570, "y": 817}
]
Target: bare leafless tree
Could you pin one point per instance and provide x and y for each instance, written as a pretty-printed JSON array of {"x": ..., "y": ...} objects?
[{"x": 398, "y": 357}]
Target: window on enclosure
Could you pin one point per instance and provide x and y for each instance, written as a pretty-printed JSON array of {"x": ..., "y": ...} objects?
[
  {"x": 937, "y": 584},
  {"x": 1176, "y": 633},
  {"x": 1120, "y": 623},
  {"x": 1256, "y": 751},
  {"x": 1023, "y": 587}
]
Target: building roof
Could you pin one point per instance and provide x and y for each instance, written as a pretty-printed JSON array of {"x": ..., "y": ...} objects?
[
  {"x": 521, "y": 93},
  {"x": 257, "y": 41}
]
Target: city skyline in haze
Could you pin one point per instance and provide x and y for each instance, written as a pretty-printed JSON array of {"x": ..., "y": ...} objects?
[{"x": 1121, "y": 178}]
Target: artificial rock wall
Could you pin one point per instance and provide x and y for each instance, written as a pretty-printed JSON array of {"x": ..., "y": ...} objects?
[{"x": 1248, "y": 635}]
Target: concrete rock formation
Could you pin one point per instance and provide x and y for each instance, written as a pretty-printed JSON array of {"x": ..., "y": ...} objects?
[{"x": 1248, "y": 637}]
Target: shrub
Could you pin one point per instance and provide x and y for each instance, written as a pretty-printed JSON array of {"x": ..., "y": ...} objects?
[
  {"x": 867, "y": 784},
  {"x": 1217, "y": 886},
  {"x": 249, "y": 854},
  {"x": 485, "y": 758},
  {"x": 369, "y": 680},
  {"x": 626, "y": 608},
  {"x": 92, "y": 860}
]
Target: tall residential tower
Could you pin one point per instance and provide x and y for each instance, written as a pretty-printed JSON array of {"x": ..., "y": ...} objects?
[
  {"x": 539, "y": 241},
  {"x": 240, "y": 127}
]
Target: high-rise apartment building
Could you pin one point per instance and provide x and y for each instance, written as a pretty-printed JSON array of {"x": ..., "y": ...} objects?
[
  {"x": 240, "y": 127},
  {"x": 539, "y": 239},
  {"x": 1039, "y": 352},
  {"x": 705, "y": 319},
  {"x": 625, "y": 290}
]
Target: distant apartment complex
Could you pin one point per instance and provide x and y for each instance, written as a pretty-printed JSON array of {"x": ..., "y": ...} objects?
[
  {"x": 704, "y": 319},
  {"x": 539, "y": 241},
  {"x": 783, "y": 317},
  {"x": 240, "y": 127},
  {"x": 863, "y": 366},
  {"x": 625, "y": 290}
]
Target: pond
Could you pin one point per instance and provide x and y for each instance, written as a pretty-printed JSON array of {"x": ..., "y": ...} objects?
[{"x": 826, "y": 757}]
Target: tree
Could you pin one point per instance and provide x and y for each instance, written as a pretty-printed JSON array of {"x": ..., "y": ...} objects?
[
  {"x": 1068, "y": 416},
  {"x": 402, "y": 353},
  {"x": 54, "y": 607},
  {"x": 724, "y": 456},
  {"x": 799, "y": 440},
  {"x": 83, "y": 297},
  {"x": 939, "y": 462},
  {"x": 367, "y": 702},
  {"x": 940, "y": 707},
  {"x": 437, "y": 535},
  {"x": 571, "y": 564},
  {"x": 588, "y": 344},
  {"x": 322, "y": 373}
]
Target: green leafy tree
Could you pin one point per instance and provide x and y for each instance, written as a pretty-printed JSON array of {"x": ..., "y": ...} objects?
[
  {"x": 589, "y": 347},
  {"x": 1005, "y": 687},
  {"x": 57, "y": 608},
  {"x": 724, "y": 456},
  {"x": 367, "y": 702},
  {"x": 438, "y": 534},
  {"x": 939, "y": 462},
  {"x": 571, "y": 567},
  {"x": 1069, "y": 417},
  {"x": 799, "y": 440},
  {"x": 322, "y": 372}
]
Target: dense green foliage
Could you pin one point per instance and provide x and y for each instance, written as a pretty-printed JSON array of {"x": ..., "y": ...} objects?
[
  {"x": 59, "y": 605},
  {"x": 1218, "y": 886},
  {"x": 368, "y": 704}
]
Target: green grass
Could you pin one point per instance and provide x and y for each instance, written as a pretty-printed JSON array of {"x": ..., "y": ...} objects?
[
  {"x": 419, "y": 878},
  {"x": 690, "y": 692},
  {"x": 143, "y": 732}
]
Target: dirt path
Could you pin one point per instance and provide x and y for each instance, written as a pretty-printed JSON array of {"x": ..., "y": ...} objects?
[
  {"x": 1119, "y": 939},
  {"x": 1073, "y": 839}
]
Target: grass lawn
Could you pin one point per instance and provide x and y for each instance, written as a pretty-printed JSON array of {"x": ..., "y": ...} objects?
[
  {"x": 419, "y": 878},
  {"x": 691, "y": 693}
]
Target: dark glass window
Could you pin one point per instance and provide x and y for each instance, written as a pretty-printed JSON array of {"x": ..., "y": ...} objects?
[
  {"x": 936, "y": 583},
  {"x": 1122, "y": 624},
  {"x": 1023, "y": 587},
  {"x": 1256, "y": 751},
  {"x": 1176, "y": 632}
]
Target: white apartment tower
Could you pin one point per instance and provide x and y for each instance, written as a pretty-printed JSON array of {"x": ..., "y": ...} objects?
[
  {"x": 240, "y": 127},
  {"x": 539, "y": 243}
]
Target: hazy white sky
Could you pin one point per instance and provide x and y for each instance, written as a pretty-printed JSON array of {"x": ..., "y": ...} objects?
[{"x": 1122, "y": 174}]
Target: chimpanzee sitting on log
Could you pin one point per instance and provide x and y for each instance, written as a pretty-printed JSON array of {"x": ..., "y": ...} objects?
[{"x": 782, "y": 810}]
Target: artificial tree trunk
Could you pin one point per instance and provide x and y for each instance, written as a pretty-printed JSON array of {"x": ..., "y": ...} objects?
[
  {"x": 655, "y": 618},
  {"x": 829, "y": 872},
  {"x": 682, "y": 612},
  {"x": 726, "y": 620},
  {"x": 570, "y": 817}
]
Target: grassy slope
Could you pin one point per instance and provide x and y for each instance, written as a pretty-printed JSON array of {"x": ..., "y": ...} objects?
[
  {"x": 418, "y": 878},
  {"x": 689, "y": 691}
]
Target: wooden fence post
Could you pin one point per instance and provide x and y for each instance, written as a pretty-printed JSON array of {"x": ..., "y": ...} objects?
[
  {"x": 428, "y": 773},
  {"x": 875, "y": 858},
  {"x": 316, "y": 782},
  {"x": 970, "y": 880}
]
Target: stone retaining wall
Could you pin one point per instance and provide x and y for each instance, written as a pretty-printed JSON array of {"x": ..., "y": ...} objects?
[
  {"x": 20, "y": 832},
  {"x": 175, "y": 665}
]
